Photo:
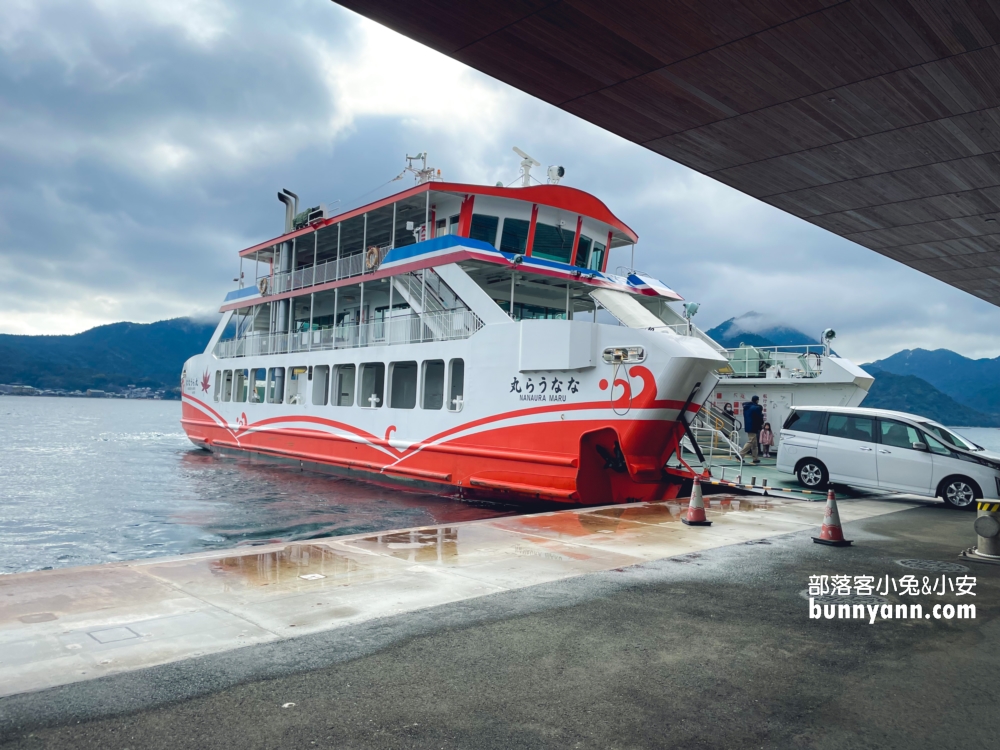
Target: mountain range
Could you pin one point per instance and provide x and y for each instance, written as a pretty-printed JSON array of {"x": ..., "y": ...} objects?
[
  {"x": 106, "y": 358},
  {"x": 754, "y": 329},
  {"x": 940, "y": 384},
  {"x": 973, "y": 382}
]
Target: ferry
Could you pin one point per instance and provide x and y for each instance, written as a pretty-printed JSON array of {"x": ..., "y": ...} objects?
[
  {"x": 463, "y": 339},
  {"x": 446, "y": 338},
  {"x": 783, "y": 377}
]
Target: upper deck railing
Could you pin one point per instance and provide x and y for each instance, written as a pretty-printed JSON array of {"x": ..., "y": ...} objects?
[
  {"x": 796, "y": 361},
  {"x": 446, "y": 325},
  {"x": 332, "y": 270}
]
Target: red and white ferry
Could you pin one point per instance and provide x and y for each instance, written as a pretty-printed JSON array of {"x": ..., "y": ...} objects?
[{"x": 446, "y": 337}]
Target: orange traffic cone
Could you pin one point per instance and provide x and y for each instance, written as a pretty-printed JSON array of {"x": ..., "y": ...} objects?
[
  {"x": 695, "y": 515},
  {"x": 831, "y": 534}
]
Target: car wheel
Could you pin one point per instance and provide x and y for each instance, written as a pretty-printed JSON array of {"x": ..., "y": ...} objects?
[
  {"x": 959, "y": 492},
  {"x": 812, "y": 474}
]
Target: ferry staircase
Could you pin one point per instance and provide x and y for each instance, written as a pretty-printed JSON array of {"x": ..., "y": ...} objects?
[{"x": 427, "y": 294}]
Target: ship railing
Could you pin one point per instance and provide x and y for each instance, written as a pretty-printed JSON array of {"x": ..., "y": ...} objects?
[
  {"x": 801, "y": 361},
  {"x": 344, "y": 267},
  {"x": 715, "y": 446},
  {"x": 402, "y": 329},
  {"x": 792, "y": 348},
  {"x": 711, "y": 416}
]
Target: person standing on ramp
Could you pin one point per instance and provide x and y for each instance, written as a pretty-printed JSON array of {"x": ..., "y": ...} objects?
[{"x": 753, "y": 419}]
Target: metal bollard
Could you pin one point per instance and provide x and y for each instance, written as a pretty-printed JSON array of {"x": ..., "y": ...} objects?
[{"x": 987, "y": 528}]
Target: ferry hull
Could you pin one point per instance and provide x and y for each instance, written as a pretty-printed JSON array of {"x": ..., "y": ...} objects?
[
  {"x": 555, "y": 461},
  {"x": 604, "y": 439}
]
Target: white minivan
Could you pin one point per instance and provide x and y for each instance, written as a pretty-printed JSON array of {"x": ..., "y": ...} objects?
[{"x": 886, "y": 450}]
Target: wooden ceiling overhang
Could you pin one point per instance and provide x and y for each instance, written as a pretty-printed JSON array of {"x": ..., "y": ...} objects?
[{"x": 878, "y": 120}]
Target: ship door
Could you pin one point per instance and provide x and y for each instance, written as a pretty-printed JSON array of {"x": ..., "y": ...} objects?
[{"x": 776, "y": 411}]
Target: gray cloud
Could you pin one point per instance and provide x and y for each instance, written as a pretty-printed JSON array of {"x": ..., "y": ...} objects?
[{"x": 142, "y": 144}]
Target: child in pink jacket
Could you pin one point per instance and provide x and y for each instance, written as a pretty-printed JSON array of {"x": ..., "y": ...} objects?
[{"x": 766, "y": 439}]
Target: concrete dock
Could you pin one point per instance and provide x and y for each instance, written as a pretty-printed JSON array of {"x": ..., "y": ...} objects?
[{"x": 602, "y": 627}]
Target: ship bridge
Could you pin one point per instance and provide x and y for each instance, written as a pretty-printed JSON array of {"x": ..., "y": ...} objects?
[{"x": 878, "y": 120}]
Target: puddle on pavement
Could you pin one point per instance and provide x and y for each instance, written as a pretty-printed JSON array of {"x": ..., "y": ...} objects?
[
  {"x": 729, "y": 503},
  {"x": 605, "y": 521},
  {"x": 296, "y": 564},
  {"x": 615, "y": 520},
  {"x": 416, "y": 546},
  {"x": 658, "y": 513}
]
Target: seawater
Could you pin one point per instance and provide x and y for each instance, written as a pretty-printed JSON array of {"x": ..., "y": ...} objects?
[
  {"x": 86, "y": 481},
  {"x": 987, "y": 437}
]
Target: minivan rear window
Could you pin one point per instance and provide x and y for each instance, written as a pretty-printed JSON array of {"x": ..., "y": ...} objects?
[{"x": 805, "y": 421}]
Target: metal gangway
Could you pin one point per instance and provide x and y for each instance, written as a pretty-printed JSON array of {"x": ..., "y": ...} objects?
[{"x": 717, "y": 435}]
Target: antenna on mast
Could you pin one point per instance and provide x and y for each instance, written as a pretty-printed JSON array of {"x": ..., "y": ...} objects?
[
  {"x": 423, "y": 173},
  {"x": 526, "y": 164}
]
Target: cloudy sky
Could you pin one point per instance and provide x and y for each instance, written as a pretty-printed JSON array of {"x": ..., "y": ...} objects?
[{"x": 142, "y": 143}]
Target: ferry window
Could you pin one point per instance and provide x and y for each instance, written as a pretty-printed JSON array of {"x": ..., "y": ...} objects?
[
  {"x": 851, "y": 427},
  {"x": 442, "y": 228},
  {"x": 583, "y": 252},
  {"x": 297, "y": 385},
  {"x": 453, "y": 222},
  {"x": 403, "y": 385},
  {"x": 344, "y": 380},
  {"x": 240, "y": 383},
  {"x": 275, "y": 385},
  {"x": 514, "y": 238},
  {"x": 433, "y": 384},
  {"x": 258, "y": 382},
  {"x": 805, "y": 421},
  {"x": 484, "y": 228},
  {"x": 535, "y": 312},
  {"x": 456, "y": 390},
  {"x": 321, "y": 384},
  {"x": 227, "y": 385},
  {"x": 597, "y": 257},
  {"x": 218, "y": 384},
  {"x": 372, "y": 385},
  {"x": 897, "y": 434},
  {"x": 553, "y": 243}
]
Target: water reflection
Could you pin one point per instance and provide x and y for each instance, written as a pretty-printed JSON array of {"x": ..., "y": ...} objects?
[
  {"x": 293, "y": 565},
  {"x": 416, "y": 546}
]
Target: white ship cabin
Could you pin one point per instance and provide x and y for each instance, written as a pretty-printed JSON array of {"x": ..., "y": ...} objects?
[{"x": 435, "y": 262}]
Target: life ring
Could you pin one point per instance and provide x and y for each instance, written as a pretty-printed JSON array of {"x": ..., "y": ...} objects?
[
  {"x": 262, "y": 285},
  {"x": 371, "y": 258}
]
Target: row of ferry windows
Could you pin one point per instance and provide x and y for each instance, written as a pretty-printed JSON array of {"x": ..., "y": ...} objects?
[
  {"x": 550, "y": 242},
  {"x": 348, "y": 385}
]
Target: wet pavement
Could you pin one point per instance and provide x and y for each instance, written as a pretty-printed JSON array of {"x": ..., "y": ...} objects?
[
  {"x": 614, "y": 627},
  {"x": 76, "y": 624}
]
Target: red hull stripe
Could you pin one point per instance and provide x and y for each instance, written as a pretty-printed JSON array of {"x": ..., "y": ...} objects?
[
  {"x": 425, "y": 444},
  {"x": 522, "y": 489},
  {"x": 458, "y": 450},
  {"x": 324, "y": 459}
]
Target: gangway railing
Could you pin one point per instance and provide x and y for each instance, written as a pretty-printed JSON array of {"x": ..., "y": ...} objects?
[{"x": 714, "y": 444}]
